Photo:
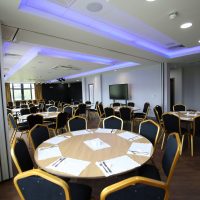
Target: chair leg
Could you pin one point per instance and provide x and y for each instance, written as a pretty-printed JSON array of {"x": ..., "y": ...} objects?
[
  {"x": 12, "y": 136},
  {"x": 100, "y": 120},
  {"x": 182, "y": 141},
  {"x": 192, "y": 147},
  {"x": 163, "y": 140}
]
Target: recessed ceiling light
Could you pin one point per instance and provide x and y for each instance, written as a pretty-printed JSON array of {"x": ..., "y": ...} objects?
[
  {"x": 94, "y": 7},
  {"x": 77, "y": 80},
  {"x": 186, "y": 25},
  {"x": 150, "y": 0},
  {"x": 199, "y": 41}
]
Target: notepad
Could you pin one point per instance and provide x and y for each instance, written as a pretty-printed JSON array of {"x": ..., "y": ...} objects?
[
  {"x": 105, "y": 130},
  {"x": 117, "y": 165},
  {"x": 129, "y": 136},
  {"x": 142, "y": 149},
  {"x": 48, "y": 152},
  {"x": 81, "y": 132},
  {"x": 57, "y": 139},
  {"x": 69, "y": 165},
  {"x": 96, "y": 144}
]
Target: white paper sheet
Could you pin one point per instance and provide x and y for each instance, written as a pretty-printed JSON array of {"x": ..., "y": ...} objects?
[
  {"x": 57, "y": 139},
  {"x": 129, "y": 136},
  {"x": 191, "y": 114},
  {"x": 48, "y": 152},
  {"x": 105, "y": 130},
  {"x": 185, "y": 118},
  {"x": 69, "y": 165},
  {"x": 141, "y": 149},
  {"x": 117, "y": 165},
  {"x": 81, "y": 132},
  {"x": 96, "y": 144}
]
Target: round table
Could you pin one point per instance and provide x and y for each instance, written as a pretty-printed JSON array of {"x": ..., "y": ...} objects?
[{"x": 74, "y": 147}]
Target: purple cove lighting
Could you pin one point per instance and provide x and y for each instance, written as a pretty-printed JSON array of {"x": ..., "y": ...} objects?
[
  {"x": 56, "y": 12},
  {"x": 57, "y": 53},
  {"x": 30, "y": 55},
  {"x": 101, "y": 70},
  {"x": 5, "y": 47}
]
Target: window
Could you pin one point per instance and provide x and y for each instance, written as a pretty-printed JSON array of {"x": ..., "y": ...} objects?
[{"x": 22, "y": 91}]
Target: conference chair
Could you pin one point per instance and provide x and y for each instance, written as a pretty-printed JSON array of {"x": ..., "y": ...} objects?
[
  {"x": 147, "y": 185},
  {"x": 36, "y": 184},
  {"x": 101, "y": 113},
  {"x": 38, "y": 134},
  {"x": 25, "y": 111},
  {"x": 179, "y": 107},
  {"x": 68, "y": 110},
  {"x": 195, "y": 132},
  {"x": 21, "y": 156},
  {"x": 109, "y": 111},
  {"x": 34, "y": 119},
  {"x": 116, "y": 104},
  {"x": 52, "y": 109},
  {"x": 23, "y": 106},
  {"x": 77, "y": 123},
  {"x": 113, "y": 122},
  {"x": 20, "y": 127},
  {"x": 150, "y": 130},
  {"x": 125, "y": 114},
  {"x": 61, "y": 121},
  {"x": 143, "y": 115},
  {"x": 171, "y": 123},
  {"x": 131, "y": 104}
]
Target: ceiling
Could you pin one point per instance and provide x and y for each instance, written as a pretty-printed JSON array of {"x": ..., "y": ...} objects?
[{"x": 44, "y": 40}]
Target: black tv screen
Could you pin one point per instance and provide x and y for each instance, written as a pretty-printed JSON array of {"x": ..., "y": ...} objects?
[{"x": 118, "y": 91}]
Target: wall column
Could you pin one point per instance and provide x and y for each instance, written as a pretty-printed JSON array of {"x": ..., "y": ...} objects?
[{"x": 5, "y": 161}]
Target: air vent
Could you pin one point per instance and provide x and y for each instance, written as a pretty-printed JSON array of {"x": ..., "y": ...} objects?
[
  {"x": 176, "y": 47},
  {"x": 68, "y": 67},
  {"x": 64, "y": 3},
  {"x": 12, "y": 54}
]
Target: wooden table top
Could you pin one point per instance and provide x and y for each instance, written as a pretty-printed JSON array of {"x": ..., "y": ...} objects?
[{"x": 75, "y": 147}]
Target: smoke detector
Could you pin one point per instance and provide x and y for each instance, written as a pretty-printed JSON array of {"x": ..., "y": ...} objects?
[{"x": 173, "y": 14}]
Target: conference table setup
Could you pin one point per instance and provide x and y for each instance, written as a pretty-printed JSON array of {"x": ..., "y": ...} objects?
[
  {"x": 187, "y": 115},
  {"x": 133, "y": 109},
  {"x": 46, "y": 115},
  {"x": 93, "y": 153}
]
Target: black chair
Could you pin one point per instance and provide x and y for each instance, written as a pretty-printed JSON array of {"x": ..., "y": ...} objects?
[
  {"x": 52, "y": 109},
  {"x": 77, "y": 123},
  {"x": 148, "y": 184},
  {"x": 150, "y": 130},
  {"x": 33, "y": 109},
  {"x": 101, "y": 114},
  {"x": 10, "y": 105},
  {"x": 195, "y": 132},
  {"x": 76, "y": 102},
  {"x": 69, "y": 111},
  {"x": 61, "y": 121},
  {"x": 179, "y": 107},
  {"x": 82, "y": 109},
  {"x": 38, "y": 134},
  {"x": 171, "y": 123},
  {"x": 113, "y": 122},
  {"x": 17, "y": 104},
  {"x": 20, "y": 127},
  {"x": 109, "y": 111},
  {"x": 33, "y": 120},
  {"x": 93, "y": 111},
  {"x": 25, "y": 111},
  {"x": 158, "y": 113},
  {"x": 24, "y": 106},
  {"x": 31, "y": 105},
  {"x": 131, "y": 104},
  {"x": 21, "y": 156},
  {"x": 52, "y": 102},
  {"x": 88, "y": 102},
  {"x": 39, "y": 185},
  {"x": 125, "y": 114},
  {"x": 143, "y": 115},
  {"x": 116, "y": 104}
]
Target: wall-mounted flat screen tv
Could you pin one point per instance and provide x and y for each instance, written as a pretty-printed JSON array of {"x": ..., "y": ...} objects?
[{"x": 118, "y": 91}]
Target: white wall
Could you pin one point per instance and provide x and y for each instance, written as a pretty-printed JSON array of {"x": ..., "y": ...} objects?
[
  {"x": 191, "y": 83},
  {"x": 144, "y": 85},
  {"x": 96, "y": 80}
]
